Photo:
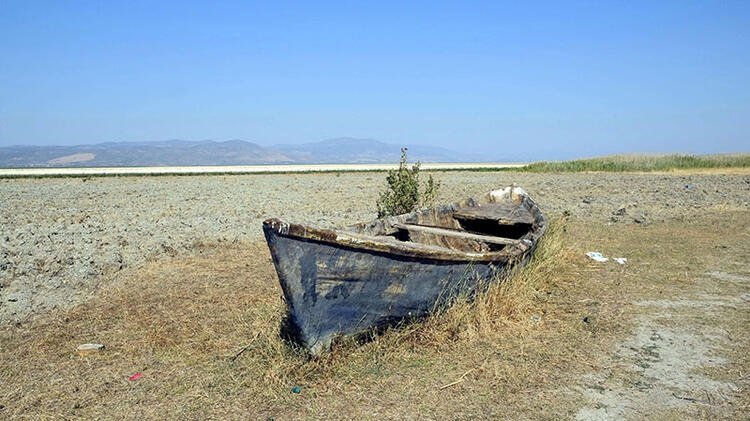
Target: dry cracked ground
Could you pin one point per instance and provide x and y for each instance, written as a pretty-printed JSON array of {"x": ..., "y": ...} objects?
[{"x": 171, "y": 274}]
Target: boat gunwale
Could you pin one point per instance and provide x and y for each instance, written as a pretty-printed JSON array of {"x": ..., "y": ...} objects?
[
  {"x": 380, "y": 244},
  {"x": 389, "y": 245}
]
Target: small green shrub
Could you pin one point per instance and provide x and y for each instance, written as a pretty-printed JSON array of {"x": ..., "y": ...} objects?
[{"x": 404, "y": 192}]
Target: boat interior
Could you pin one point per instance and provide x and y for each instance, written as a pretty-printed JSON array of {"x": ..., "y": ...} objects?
[{"x": 468, "y": 226}]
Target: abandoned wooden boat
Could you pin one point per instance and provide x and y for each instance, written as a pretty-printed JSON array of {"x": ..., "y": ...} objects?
[{"x": 349, "y": 281}]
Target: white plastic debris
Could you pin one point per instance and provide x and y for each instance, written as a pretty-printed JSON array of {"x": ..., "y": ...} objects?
[
  {"x": 595, "y": 255},
  {"x": 88, "y": 349}
]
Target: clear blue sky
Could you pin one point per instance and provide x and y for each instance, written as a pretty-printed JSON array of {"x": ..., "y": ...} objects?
[{"x": 557, "y": 79}]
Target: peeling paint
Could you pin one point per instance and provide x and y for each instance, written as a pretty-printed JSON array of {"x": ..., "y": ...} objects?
[
  {"x": 394, "y": 289},
  {"x": 346, "y": 282}
]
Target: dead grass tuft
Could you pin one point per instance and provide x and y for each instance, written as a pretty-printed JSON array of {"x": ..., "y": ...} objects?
[{"x": 508, "y": 300}]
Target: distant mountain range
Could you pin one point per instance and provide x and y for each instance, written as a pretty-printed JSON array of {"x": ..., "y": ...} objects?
[{"x": 232, "y": 152}]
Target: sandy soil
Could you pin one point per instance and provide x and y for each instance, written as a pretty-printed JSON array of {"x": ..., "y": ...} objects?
[
  {"x": 61, "y": 238},
  {"x": 666, "y": 352}
]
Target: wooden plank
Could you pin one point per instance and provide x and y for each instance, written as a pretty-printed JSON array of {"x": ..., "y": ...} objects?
[
  {"x": 428, "y": 250},
  {"x": 506, "y": 214},
  {"x": 457, "y": 234}
]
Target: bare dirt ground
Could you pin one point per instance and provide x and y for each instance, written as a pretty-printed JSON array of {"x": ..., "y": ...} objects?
[{"x": 172, "y": 275}]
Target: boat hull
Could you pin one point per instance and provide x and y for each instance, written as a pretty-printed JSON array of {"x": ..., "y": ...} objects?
[{"x": 337, "y": 290}]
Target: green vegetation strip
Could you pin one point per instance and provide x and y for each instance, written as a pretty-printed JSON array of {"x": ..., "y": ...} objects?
[{"x": 621, "y": 163}]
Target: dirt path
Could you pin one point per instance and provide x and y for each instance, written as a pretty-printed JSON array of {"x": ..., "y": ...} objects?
[
  {"x": 671, "y": 364},
  {"x": 665, "y": 355}
]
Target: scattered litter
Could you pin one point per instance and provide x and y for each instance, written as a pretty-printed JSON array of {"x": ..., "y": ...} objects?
[
  {"x": 297, "y": 389},
  {"x": 135, "y": 377},
  {"x": 595, "y": 255},
  {"x": 88, "y": 349}
]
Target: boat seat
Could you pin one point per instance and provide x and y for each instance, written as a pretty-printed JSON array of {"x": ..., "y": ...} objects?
[
  {"x": 502, "y": 213},
  {"x": 457, "y": 234}
]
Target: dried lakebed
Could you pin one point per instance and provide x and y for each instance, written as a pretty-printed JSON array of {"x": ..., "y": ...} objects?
[
  {"x": 61, "y": 238},
  {"x": 663, "y": 336}
]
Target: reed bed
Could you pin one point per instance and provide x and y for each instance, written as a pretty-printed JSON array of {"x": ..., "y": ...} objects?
[{"x": 643, "y": 163}]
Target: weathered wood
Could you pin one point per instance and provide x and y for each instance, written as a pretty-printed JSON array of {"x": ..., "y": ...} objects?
[
  {"x": 381, "y": 243},
  {"x": 347, "y": 282},
  {"x": 503, "y": 213},
  {"x": 404, "y": 247},
  {"x": 458, "y": 234},
  {"x": 333, "y": 289}
]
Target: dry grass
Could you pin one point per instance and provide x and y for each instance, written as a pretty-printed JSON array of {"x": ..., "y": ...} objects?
[
  {"x": 521, "y": 348},
  {"x": 182, "y": 321},
  {"x": 504, "y": 303}
]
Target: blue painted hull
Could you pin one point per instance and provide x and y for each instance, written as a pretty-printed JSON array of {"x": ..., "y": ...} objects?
[
  {"x": 333, "y": 290},
  {"x": 348, "y": 282}
]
